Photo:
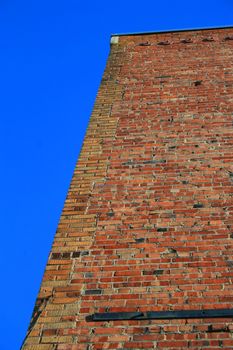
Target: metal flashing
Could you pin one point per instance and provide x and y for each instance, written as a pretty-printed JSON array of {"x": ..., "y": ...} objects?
[
  {"x": 160, "y": 315},
  {"x": 172, "y": 31}
]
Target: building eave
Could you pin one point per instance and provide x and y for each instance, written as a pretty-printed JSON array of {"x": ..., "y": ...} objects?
[{"x": 172, "y": 31}]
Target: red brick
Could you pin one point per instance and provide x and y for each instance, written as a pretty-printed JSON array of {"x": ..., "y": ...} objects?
[{"x": 147, "y": 223}]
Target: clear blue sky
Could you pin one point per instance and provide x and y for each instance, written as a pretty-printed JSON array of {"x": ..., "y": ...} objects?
[{"x": 52, "y": 57}]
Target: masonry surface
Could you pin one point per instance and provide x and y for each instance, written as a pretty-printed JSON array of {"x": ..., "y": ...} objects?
[{"x": 148, "y": 220}]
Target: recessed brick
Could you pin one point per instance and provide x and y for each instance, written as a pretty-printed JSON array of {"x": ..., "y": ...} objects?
[
  {"x": 162, "y": 229},
  {"x": 139, "y": 240},
  {"x": 198, "y": 205},
  {"x": 93, "y": 291}
]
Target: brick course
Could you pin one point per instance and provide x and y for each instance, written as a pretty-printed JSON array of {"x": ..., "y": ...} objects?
[{"x": 147, "y": 224}]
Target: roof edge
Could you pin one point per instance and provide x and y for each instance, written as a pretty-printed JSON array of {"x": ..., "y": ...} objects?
[{"x": 171, "y": 31}]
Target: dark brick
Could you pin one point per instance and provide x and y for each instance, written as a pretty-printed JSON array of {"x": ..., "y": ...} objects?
[
  {"x": 88, "y": 274},
  {"x": 158, "y": 272},
  {"x": 76, "y": 254},
  {"x": 162, "y": 229},
  {"x": 84, "y": 252},
  {"x": 56, "y": 256},
  {"x": 198, "y": 205},
  {"x": 93, "y": 291},
  {"x": 66, "y": 255},
  {"x": 139, "y": 240}
]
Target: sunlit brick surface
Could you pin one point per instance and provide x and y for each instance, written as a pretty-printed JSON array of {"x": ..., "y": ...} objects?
[{"x": 148, "y": 221}]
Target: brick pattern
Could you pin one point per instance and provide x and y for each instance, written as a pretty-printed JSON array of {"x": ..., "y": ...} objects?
[{"x": 147, "y": 223}]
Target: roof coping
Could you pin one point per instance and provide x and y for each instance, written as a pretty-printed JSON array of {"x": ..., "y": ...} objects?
[{"x": 170, "y": 31}]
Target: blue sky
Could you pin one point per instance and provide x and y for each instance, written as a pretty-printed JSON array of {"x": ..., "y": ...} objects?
[{"x": 53, "y": 54}]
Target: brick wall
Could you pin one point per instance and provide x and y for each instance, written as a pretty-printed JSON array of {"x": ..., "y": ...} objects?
[{"x": 148, "y": 220}]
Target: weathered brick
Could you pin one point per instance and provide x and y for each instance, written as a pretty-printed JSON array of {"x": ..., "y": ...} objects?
[{"x": 147, "y": 223}]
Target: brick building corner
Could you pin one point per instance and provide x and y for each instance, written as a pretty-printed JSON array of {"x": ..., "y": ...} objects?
[{"x": 142, "y": 257}]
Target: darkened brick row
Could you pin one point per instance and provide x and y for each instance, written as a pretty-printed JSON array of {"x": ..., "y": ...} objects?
[{"x": 67, "y": 255}]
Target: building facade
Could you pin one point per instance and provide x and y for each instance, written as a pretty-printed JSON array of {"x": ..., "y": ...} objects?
[{"x": 143, "y": 254}]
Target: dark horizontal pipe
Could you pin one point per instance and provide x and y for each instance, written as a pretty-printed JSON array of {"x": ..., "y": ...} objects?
[{"x": 160, "y": 315}]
